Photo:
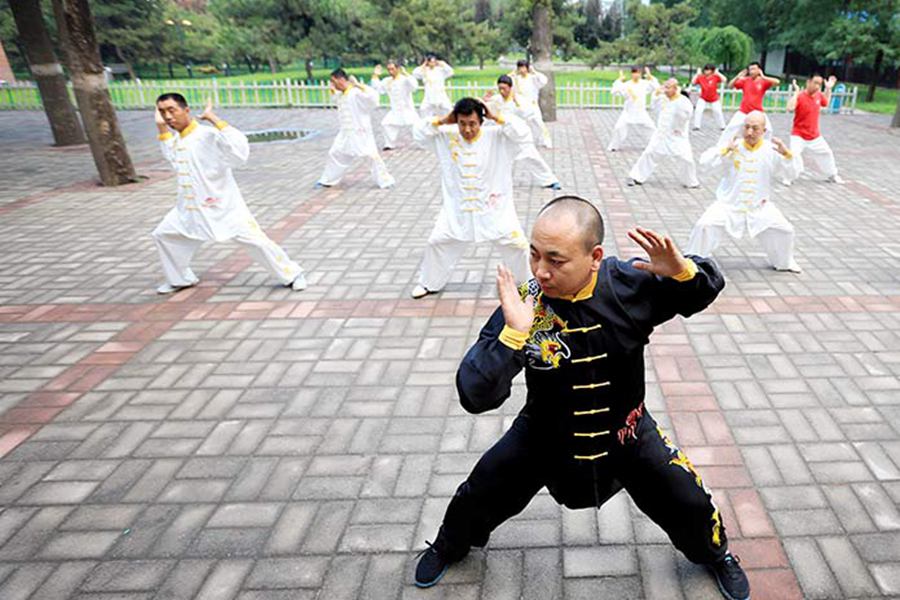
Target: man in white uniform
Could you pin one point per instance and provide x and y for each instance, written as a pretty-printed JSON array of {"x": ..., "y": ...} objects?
[
  {"x": 671, "y": 137},
  {"x": 507, "y": 102},
  {"x": 634, "y": 112},
  {"x": 476, "y": 185},
  {"x": 434, "y": 73},
  {"x": 209, "y": 206},
  {"x": 527, "y": 84},
  {"x": 744, "y": 196},
  {"x": 355, "y": 138},
  {"x": 399, "y": 88}
]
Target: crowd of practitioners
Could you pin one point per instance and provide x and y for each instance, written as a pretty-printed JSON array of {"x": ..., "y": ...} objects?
[{"x": 573, "y": 319}]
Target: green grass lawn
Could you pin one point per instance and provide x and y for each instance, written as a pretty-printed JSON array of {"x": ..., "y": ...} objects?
[{"x": 885, "y": 101}]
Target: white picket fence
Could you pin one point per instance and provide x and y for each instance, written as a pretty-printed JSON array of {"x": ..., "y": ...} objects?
[{"x": 293, "y": 93}]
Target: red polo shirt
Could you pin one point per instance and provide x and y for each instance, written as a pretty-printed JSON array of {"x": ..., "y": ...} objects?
[
  {"x": 754, "y": 90},
  {"x": 709, "y": 86},
  {"x": 806, "y": 115}
]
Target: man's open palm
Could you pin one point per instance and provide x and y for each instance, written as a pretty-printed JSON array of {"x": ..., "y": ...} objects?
[
  {"x": 518, "y": 315},
  {"x": 666, "y": 260}
]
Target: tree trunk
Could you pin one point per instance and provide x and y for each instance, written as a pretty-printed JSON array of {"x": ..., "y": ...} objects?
[
  {"x": 76, "y": 34},
  {"x": 171, "y": 72},
  {"x": 895, "y": 122},
  {"x": 127, "y": 63},
  {"x": 273, "y": 64},
  {"x": 542, "y": 49},
  {"x": 47, "y": 72},
  {"x": 763, "y": 55},
  {"x": 876, "y": 70},
  {"x": 309, "y": 73}
]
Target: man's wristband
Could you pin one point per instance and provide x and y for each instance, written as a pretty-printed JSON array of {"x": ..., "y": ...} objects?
[
  {"x": 513, "y": 338},
  {"x": 688, "y": 273}
]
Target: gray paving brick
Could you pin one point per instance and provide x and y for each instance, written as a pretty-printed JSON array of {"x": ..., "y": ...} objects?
[
  {"x": 24, "y": 580},
  {"x": 812, "y": 571},
  {"x": 805, "y": 522},
  {"x": 64, "y": 581},
  {"x": 845, "y": 563},
  {"x": 599, "y": 561},
  {"x": 659, "y": 577},
  {"x": 274, "y": 573},
  {"x": 345, "y": 577},
  {"x": 184, "y": 581},
  {"x": 542, "y": 574},
  {"x": 127, "y": 576},
  {"x": 225, "y": 580}
]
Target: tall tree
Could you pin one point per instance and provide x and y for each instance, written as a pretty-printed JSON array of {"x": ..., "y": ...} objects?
[
  {"x": 130, "y": 31},
  {"x": 764, "y": 20},
  {"x": 895, "y": 122},
  {"x": 76, "y": 32},
  {"x": 47, "y": 72},
  {"x": 869, "y": 32},
  {"x": 727, "y": 46},
  {"x": 542, "y": 48}
]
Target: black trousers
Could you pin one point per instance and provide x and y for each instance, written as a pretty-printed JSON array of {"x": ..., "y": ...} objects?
[{"x": 655, "y": 473}]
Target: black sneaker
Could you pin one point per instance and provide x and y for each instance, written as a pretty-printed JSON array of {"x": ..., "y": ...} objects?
[
  {"x": 432, "y": 566},
  {"x": 731, "y": 578}
]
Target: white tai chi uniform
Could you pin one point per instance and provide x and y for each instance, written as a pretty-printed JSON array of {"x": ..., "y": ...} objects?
[
  {"x": 402, "y": 114},
  {"x": 355, "y": 138},
  {"x": 477, "y": 190},
  {"x": 436, "y": 102},
  {"x": 528, "y": 156},
  {"x": 210, "y": 206},
  {"x": 744, "y": 202},
  {"x": 527, "y": 89},
  {"x": 634, "y": 112},
  {"x": 671, "y": 138},
  {"x": 806, "y": 139}
]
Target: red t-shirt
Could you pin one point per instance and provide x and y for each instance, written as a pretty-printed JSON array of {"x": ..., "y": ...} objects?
[
  {"x": 806, "y": 115},
  {"x": 709, "y": 86},
  {"x": 754, "y": 90}
]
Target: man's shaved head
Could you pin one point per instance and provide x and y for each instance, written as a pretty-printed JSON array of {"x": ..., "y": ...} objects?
[
  {"x": 584, "y": 214},
  {"x": 754, "y": 127}
]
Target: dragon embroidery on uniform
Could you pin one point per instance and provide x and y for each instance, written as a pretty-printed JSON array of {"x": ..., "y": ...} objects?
[
  {"x": 680, "y": 459},
  {"x": 544, "y": 348},
  {"x": 629, "y": 432}
]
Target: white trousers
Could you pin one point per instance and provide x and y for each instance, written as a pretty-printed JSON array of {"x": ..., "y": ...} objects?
[
  {"x": 531, "y": 160},
  {"x": 443, "y": 252},
  {"x": 777, "y": 242},
  {"x": 643, "y": 168},
  {"x": 392, "y": 133},
  {"x": 177, "y": 249},
  {"x": 620, "y": 133},
  {"x": 339, "y": 162},
  {"x": 539, "y": 130},
  {"x": 816, "y": 154},
  {"x": 735, "y": 127},
  {"x": 716, "y": 109}
]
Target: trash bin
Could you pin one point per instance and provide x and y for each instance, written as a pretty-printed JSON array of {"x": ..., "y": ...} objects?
[{"x": 837, "y": 98}]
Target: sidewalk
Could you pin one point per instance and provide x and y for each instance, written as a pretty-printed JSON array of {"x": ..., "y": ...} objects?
[{"x": 240, "y": 440}]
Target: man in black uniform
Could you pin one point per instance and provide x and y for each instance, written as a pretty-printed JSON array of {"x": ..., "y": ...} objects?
[{"x": 579, "y": 329}]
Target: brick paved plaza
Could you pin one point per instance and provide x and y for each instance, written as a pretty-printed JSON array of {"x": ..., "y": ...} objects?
[{"x": 240, "y": 440}]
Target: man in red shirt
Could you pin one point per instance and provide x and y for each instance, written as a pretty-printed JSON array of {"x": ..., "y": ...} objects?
[
  {"x": 708, "y": 79},
  {"x": 805, "y": 136},
  {"x": 753, "y": 83}
]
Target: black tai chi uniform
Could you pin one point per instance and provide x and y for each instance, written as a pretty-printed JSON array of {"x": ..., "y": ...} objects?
[{"x": 584, "y": 432}]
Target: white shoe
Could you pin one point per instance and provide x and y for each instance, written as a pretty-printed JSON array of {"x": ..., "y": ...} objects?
[
  {"x": 794, "y": 268},
  {"x": 168, "y": 288},
  {"x": 420, "y": 291},
  {"x": 836, "y": 179},
  {"x": 299, "y": 284},
  {"x": 786, "y": 182}
]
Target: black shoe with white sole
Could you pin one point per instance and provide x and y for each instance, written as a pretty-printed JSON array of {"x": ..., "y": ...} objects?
[{"x": 731, "y": 578}]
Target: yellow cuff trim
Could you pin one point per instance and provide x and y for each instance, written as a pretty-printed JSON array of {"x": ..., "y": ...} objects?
[
  {"x": 688, "y": 273},
  {"x": 500, "y": 120},
  {"x": 165, "y": 136},
  {"x": 435, "y": 122},
  {"x": 788, "y": 155},
  {"x": 513, "y": 338},
  {"x": 220, "y": 125}
]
